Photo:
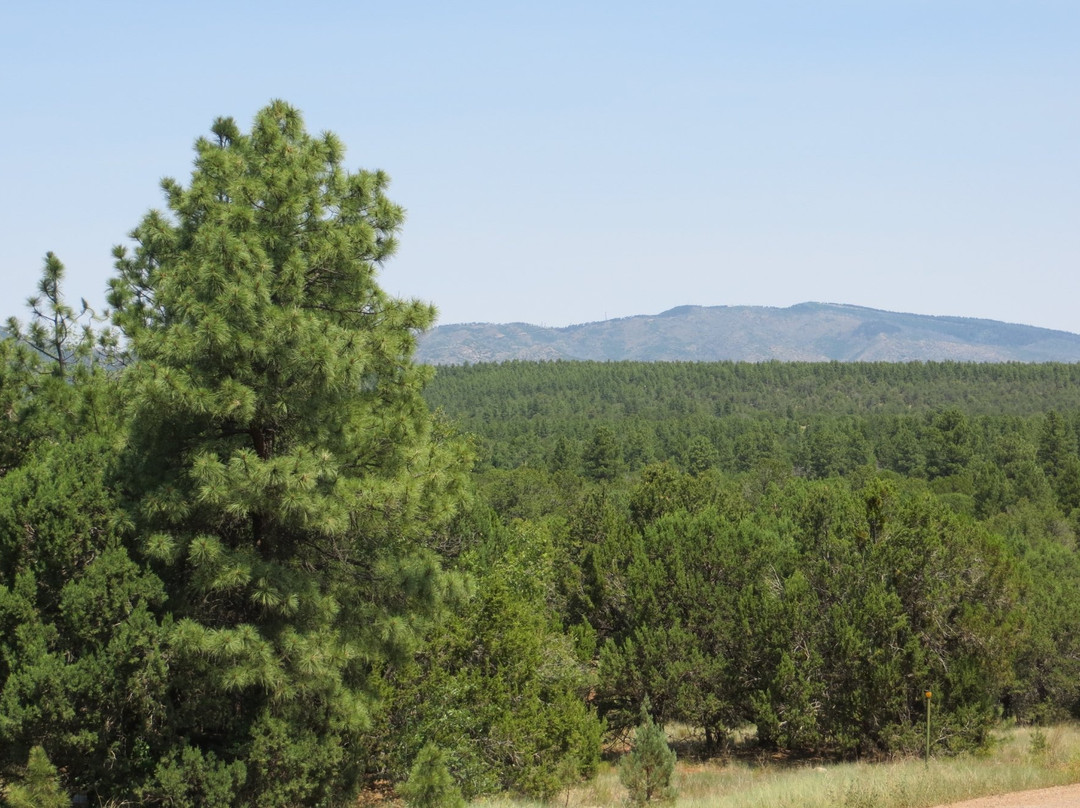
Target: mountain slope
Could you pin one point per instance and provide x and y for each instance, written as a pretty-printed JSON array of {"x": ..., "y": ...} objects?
[{"x": 814, "y": 332}]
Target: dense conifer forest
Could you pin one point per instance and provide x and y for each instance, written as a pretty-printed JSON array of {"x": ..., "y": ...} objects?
[
  {"x": 251, "y": 553},
  {"x": 801, "y": 547}
]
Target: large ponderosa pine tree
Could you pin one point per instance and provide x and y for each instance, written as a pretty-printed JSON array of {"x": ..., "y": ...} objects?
[{"x": 283, "y": 468}]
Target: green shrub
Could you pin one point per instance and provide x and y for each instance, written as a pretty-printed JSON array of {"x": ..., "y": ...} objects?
[
  {"x": 647, "y": 768},
  {"x": 40, "y": 786},
  {"x": 430, "y": 784},
  {"x": 190, "y": 778}
]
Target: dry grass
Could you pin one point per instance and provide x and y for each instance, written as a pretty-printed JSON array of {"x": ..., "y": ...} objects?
[{"x": 1021, "y": 758}]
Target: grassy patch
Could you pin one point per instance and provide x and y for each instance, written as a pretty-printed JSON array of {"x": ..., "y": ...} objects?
[{"x": 1020, "y": 758}]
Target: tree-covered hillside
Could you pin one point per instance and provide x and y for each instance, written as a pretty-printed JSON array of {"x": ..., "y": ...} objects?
[{"x": 817, "y": 418}]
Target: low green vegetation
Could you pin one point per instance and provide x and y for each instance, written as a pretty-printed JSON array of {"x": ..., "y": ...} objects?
[
  {"x": 38, "y": 786},
  {"x": 1017, "y": 759},
  {"x": 430, "y": 784},
  {"x": 646, "y": 769},
  {"x": 251, "y": 553}
]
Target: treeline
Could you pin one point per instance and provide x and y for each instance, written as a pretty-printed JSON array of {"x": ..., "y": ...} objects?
[
  {"x": 984, "y": 434},
  {"x": 743, "y": 558},
  {"x": 659, "y": 390}
]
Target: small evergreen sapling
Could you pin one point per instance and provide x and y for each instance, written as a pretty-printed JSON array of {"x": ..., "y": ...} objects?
[
  {"x": 647, "y": 768},
  {"x": 430, "y": 784},
  {"x": 40, "y": 786}
]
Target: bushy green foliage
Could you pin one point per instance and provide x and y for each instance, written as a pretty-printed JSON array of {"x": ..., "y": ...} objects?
[
  {"x": 82, "y": 660},
  {"x": 647, "y": 768},
  {"x": 190, "y": 778},
  {"x": 430, "y": 784},
  {"x": 812, "y": 620},
  {"x": 497, "y": 688},
  {"x": 689, "y": 581},
  {"x": 39, "y": 786}
]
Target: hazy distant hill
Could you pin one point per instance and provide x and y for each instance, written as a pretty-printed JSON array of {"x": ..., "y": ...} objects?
[{"x": 806, "y": 332}]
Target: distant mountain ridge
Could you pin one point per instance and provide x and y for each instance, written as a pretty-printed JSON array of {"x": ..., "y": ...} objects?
[{"x": 807, "y": 332}]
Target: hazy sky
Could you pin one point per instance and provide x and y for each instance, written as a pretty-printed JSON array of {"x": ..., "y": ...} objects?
[{"x": 570, "y": 162}]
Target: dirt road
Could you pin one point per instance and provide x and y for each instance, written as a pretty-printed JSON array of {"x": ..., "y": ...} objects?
[{"x": 1056, "y": 797}]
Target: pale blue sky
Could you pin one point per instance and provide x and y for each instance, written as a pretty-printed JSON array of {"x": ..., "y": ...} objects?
[{"x": 569, "y": 162}]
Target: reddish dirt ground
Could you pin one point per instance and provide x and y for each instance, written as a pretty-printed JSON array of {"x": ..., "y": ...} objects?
[{"x": 1056, "y": 797}]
